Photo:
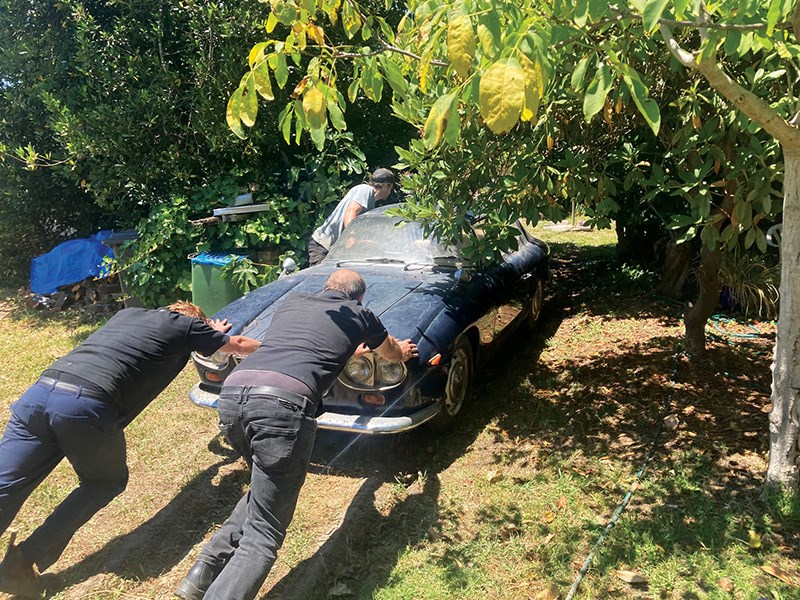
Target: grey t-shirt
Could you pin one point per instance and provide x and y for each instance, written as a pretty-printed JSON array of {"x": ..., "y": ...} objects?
[{"x": 327, "y": 233}]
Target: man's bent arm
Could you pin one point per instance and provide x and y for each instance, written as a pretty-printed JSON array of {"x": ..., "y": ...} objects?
[
  {"x": 353, "y": 210},
  {"x": 395, "y": 351},
  {"x": 240, "y": 345}
]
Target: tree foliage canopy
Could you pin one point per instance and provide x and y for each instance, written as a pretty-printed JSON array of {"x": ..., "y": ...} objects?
[{"x": 498, "y": 91}]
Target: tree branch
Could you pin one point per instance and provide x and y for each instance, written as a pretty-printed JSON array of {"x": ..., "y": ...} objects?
[{"x": 743, "y": 99}]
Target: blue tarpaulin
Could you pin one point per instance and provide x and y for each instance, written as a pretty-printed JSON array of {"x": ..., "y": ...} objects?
[
  {"x": 216, "y": 259},
  {"x": 70, "y": 262}
]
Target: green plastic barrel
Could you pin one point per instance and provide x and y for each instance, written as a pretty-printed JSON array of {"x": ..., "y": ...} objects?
[{"x": 209, "y": 290}]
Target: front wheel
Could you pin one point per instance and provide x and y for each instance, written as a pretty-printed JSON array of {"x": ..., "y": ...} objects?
[
  {"x": 458, "y": 389},
  {"x": 535, "y": 305}
]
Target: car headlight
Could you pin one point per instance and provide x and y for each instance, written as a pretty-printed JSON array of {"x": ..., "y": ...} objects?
[
  {"x": 370, "y": 372},
  {"x": 359, "y": 369},
  {"x": 218, "y": 360},
  {"x": 389, "y": 373}
]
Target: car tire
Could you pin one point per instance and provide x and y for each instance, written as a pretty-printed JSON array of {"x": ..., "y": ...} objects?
[
  {"x": 535, "y": 305},
  {"x": 458, "y": 389}
]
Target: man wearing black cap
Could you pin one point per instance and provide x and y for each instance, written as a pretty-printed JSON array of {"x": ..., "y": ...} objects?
[{"x": 360, "y": 198}]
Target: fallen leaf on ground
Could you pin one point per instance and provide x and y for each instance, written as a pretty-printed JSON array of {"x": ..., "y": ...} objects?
[
  {"x": 548, "y": 516},
  {"x": 753, "y": 540},
  {"x": 725, "y": 584},
  {"x": 671, "y": 422},
  {"x": 688, "y": 410},
  {"x": 494, "y": 476},
  {"x": 779, "y": 573},
  {"x": 631, "y": 577},
  {"x": 561, "y": 502},
  {"x": 624, "y": 440},
  {"x": 547, "y": 539},
  {"x": 551, "y": 593}
]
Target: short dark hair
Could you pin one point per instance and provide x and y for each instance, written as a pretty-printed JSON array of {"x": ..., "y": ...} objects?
[
  {"x": 382, "y": 176},
  {"x": 350, "y": 283}
]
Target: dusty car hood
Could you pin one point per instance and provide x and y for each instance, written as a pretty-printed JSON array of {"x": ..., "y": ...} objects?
[{"x": 406, "y": 301}]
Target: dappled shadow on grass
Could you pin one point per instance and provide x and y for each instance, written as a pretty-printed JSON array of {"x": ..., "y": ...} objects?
[
  {"x": 702, "y": 490},
  {"x": 157, "y": 545},
  {"x": 364, "y": 549}
]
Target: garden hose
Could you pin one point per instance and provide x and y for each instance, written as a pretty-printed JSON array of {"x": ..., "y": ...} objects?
[{"x": 665, "y": 407}]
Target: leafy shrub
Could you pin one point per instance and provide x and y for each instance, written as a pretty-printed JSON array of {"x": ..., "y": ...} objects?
[{"x": 750, "y": 283}]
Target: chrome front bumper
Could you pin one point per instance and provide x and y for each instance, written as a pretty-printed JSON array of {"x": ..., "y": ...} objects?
[{"x": 341, "y": 422}]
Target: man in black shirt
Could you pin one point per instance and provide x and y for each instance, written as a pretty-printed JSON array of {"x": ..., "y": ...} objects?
[
  {"x": 266, "y": 411},
  {"x": 78, "y": 409}
]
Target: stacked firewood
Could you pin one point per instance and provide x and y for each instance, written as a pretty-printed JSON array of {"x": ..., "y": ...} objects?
[{"x": 97, "y": 296}]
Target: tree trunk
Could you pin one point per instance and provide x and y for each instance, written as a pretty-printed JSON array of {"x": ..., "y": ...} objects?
[
  {"x": 708, "y": 286},
  {"x": 707, "y": 299},
  {"x": 676, "y": 268},
  {"x": 784, "y": 418}
]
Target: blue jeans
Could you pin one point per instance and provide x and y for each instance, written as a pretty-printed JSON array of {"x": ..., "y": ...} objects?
[
  {"x": 276, "y": 438},
  {"x": 47, "y": 425}
]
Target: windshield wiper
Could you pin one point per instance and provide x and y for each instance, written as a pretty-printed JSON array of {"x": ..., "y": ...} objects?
[{"x": 382, "y": 260}]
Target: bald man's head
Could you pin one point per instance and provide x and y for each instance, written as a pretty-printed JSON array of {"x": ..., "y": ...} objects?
[{"x": 350, "y": 283}]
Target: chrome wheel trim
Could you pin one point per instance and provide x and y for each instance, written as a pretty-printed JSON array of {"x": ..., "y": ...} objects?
[
  {"x": 537, "y": 300},
  {"x": 457, "y": 381}
]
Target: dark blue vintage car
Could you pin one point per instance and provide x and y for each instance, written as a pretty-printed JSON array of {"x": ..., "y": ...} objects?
[{"x": 457, "y": 315}]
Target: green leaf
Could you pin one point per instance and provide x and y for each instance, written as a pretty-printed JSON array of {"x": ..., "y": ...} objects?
[
  {"x": 647, "y": 106},
  {"x": 708, "y": 235},
  {"x": 761, "y": 240},
  {"x": 337, "y": 117},
  {"x": 232, "y": 113},
  {"x": 680, "y": 7},
  {"x": 653, "y": 9},
  {"x": 318, "y": 137},
  {"x": 249, "y": 103},
  {"x": 576, "y": 81},
  {"x": 256, "y": 54},
  {"x": 350, "y": 20},
  {"x": 732, "y": 43},
  {"x": 281, "y": 70},
  {"x": 489, "y": 33},
  {"x": 438, "y": 120},
  {"x": 596, "y": 93},
  {"x": 262, "y": 81},
  {"x": 773, "y": 14},
  {"x": 272, "y": 21},
  {"x": 285, "y": 122},
  {"x": 749, "y": 238},
  {"x": 386, "y": 30},
  {"x": 352, "y": 89},
  {"x": 394, "y": 75},
  {"x": 598, "y": 9},
  {"x": 461, "y": 44},
  {"x": 581, "y": 14},
  {"x": 502, "y": 95}
]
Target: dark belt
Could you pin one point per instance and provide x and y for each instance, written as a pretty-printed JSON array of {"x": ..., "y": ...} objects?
[
  {"x": 71, "y": 388},
  {"x": 305, "y": 404}
]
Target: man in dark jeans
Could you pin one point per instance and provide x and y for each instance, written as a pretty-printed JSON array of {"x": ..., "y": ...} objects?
[
  {"x": 78, "y": 409},
  {"x": 266, "y": 411}
]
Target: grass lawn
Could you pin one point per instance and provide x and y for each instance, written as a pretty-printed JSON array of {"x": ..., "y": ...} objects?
[{"x": 507, "y": 506}]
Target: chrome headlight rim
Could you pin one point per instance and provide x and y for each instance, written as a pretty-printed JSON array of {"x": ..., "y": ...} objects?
[
  {"x": 382, "y": 365},
  {"x": 372, "y": 384},
  {"x": 217, "y": 361},
  {"x": 359, "y": 362}
]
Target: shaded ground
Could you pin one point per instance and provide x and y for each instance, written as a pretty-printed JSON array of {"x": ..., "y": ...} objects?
[{"x": 509, "y": 504}]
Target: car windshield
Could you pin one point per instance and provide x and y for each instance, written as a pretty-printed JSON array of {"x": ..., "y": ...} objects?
[{"x": 385, "y": 239}]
